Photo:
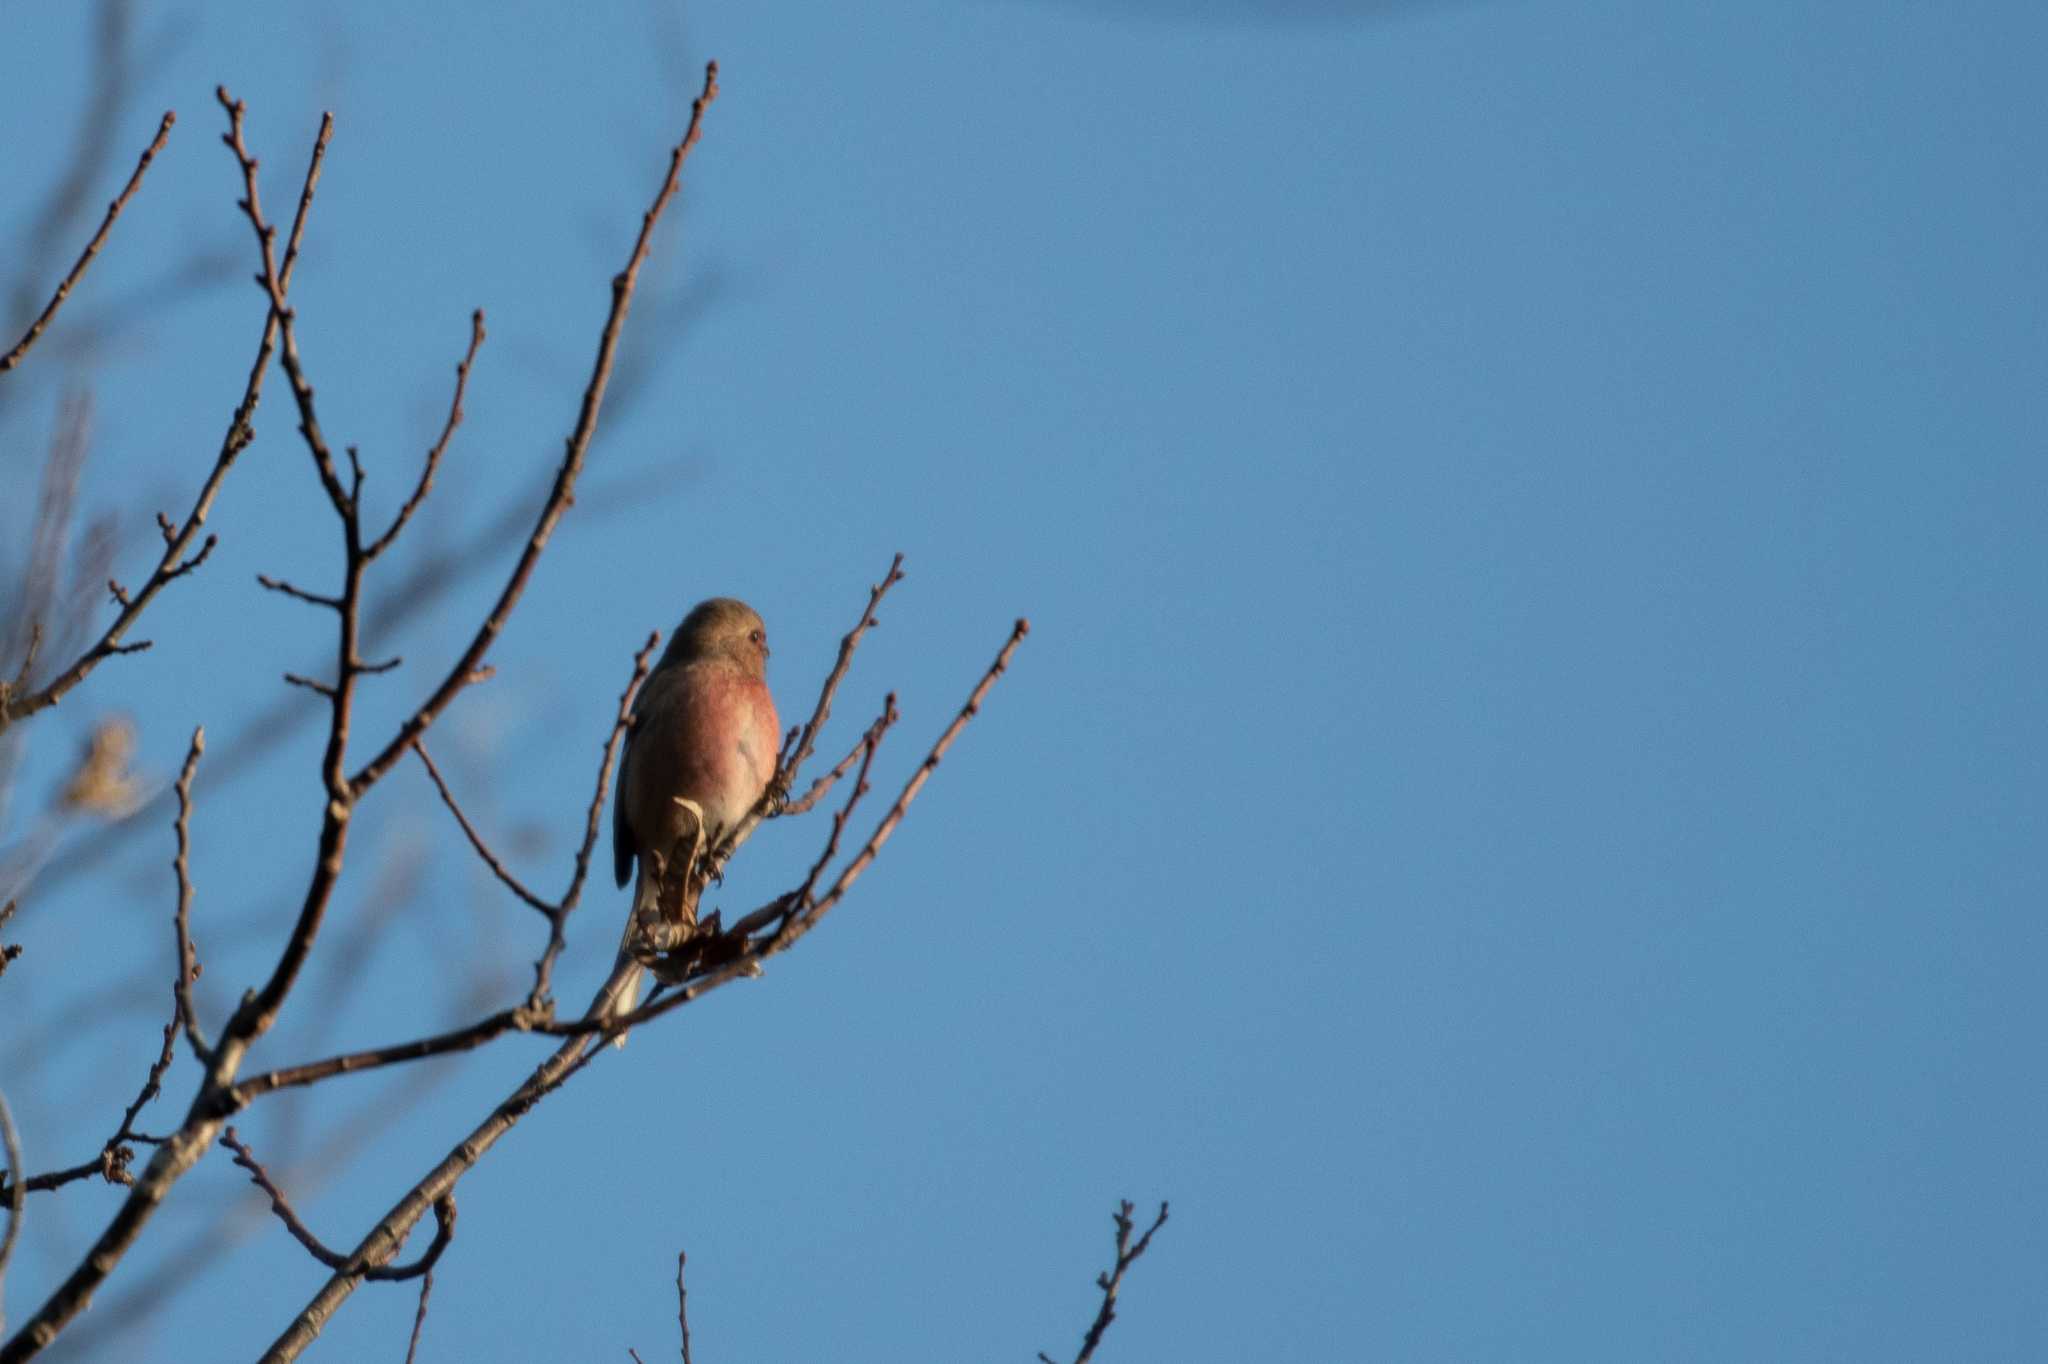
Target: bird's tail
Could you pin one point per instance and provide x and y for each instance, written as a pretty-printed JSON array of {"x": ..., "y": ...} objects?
[{"x": 621, "y": 989}]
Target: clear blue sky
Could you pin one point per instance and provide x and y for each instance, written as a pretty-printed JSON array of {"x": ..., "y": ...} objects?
[{"x": 1522, "y": 809}]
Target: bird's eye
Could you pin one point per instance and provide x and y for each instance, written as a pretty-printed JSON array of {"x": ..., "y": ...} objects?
[{"x": 757, "y": 636}]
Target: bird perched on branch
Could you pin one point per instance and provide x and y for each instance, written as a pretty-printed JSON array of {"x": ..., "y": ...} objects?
[{"x": 700, "y": 751}]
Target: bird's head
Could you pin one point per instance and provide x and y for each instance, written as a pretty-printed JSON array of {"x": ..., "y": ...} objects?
[{"x": 722, "y": 627}]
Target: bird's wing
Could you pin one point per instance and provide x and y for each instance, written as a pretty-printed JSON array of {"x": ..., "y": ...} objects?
[{"x": 622, "y": 836}]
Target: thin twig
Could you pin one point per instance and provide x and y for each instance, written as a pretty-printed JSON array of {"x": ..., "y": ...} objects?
[
  {"x": 272, "y": 279},
  {"x": 174, "y": 563},
  {"x": 803, "y": 804},
  {"x": 425, "y": 582},
  {"x": 92, "y": 248},
  {"x": 284, "y": 588},
  {"x": 115, "y": 1155},
  {"x": 868, "y": 744},
  {"x": 188, "y": 960},
  {"x": 544, "y": 968},
  {"x": 419, "y": 1317},
  {"x": 1112, "y": 1279},
  {"x": 444, "y": 1215},
  {"x": 476, "y": 840},
  {"x": 433, "y": 462},
  {"x": 578, "y": 445},
  {"x": 317, "y": 688},
  {"x": 804, "y": 739},
  {"x": 682, "y": 1306},
  {"x": 851, "y": 641},
  {"x": 866, "y": 856},
  {"x": 108, "y": 1164}
]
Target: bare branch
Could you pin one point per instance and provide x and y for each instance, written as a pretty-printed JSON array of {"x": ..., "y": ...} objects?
[
  {"x": 803, "y": 804},
  {"x": 682, "y": 1306},
  {"x": 180, "y": 569},
  {"x": 799, "y": 748},
  {"x": 188, "y": 961},
  {"x": 272, "y": 279},
  {"x": 384, "y": 1239},
  {"x": 111, "y": 1164},
  {"x": 711, "y": 961},
  {"x": 426, "y": 483},
  {"x": 731, "y": 956},
  {"x": 283, "y": 588},
  {"x": 317, "y": 688},
  {"x": 578, "y": 445},
  {"x": 520, "y": 1019},
  {"x": 92, "y": 248},
  {"x": 182, "y": 1149},
  {"x": 444, "y": 1217},
  {"x": 115, "y": 1154},
  {"x": 868, "y": 744},
  {"x": 873, "y": 847},
  {"x": 178, "y": 542},
  {"x": 422, "y": 585},
  {"x": 419, "y": 1318},
  {"x": 1112, "y": 1279},
  {"x": 476, "y": 840},
  {"x": 543, "y": 969},
  {"x": 807, "y": 739}
]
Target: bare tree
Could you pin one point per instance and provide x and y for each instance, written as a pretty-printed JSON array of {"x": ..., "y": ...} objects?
[{"x": 50, "y": 656}]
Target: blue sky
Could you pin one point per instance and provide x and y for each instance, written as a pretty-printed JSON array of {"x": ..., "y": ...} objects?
[{"x": 1521, "y": 811}]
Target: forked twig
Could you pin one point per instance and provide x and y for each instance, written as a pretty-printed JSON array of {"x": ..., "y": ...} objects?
[
  {"x": 444, "y": 1218},
  {"x": 439, "y": 447},
  {"x": 1112, "y": 1279}
]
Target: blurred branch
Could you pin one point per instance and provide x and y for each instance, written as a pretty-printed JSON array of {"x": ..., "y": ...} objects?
[
  {"x": 113, "y": 77},
  {"x": 1112, "y": 1279},
  {"x": 115, "y": 1154},
  {"x": 178, "y": 540},
  {"x": 11, "y": 1140},
  {"x": 92, "y": 248},
  {"x": 8, "y": 951}
]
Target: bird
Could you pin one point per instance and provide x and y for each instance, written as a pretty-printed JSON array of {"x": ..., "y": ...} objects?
[{"x": 701, "y": 749}]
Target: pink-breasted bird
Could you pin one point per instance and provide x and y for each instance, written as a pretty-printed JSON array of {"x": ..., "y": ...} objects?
[{"x": 704, "y": 730}]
